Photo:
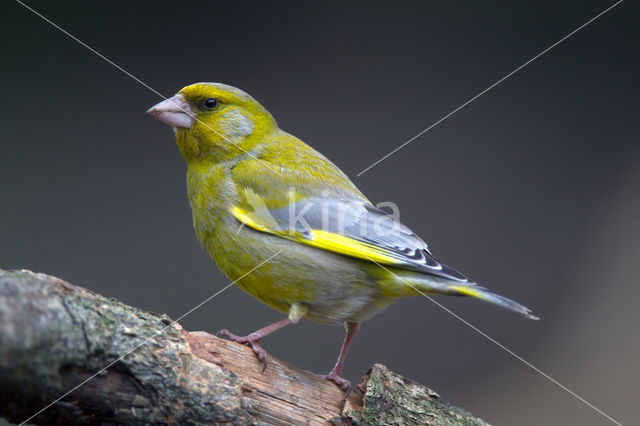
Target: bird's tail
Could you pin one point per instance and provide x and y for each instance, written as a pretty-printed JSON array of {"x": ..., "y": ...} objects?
[
  {"x": 412, "y": 285},
  {"x": 409, "y": 283},
  {"x": 484, "y": 294}
]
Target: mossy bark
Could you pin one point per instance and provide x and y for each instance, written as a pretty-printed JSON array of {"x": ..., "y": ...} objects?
[
  {"x": 55, "y": 336},
  {"x": 391, "y": 399}
]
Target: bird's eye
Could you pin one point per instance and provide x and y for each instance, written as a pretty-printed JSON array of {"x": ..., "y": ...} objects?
[{"x": 210, "y": 103}]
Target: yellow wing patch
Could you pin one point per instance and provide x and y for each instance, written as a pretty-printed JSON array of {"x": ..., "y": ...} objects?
[
  {"x": 348, "y": 246},
  {"x": 324, "y": 240}
]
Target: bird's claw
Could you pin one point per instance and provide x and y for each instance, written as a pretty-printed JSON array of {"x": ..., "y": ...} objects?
[
  {"x": 343, "y": 383},
  {"x": 250, "y": 340}
]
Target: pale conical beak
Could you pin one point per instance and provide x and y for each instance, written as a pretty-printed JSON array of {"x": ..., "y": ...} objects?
[{"x": 174, "y": 111}]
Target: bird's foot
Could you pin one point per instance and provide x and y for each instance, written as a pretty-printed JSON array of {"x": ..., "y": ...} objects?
[
  {"x": 340, "y": 381},
  {"x": 252, "y": 340}
]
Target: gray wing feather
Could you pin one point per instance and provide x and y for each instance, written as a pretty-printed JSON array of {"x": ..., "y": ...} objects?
[{"x": 365, "y": 223}]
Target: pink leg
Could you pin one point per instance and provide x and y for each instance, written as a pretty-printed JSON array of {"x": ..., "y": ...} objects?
[
  {"x": 336, "y": 373},
  {"x": 253, "y": 340}
]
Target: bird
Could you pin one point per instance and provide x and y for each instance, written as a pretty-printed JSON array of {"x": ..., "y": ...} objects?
[{"x": 289, "y": 228}]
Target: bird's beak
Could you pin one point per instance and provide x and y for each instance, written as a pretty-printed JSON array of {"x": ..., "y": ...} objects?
[{"x": 174, "y": 111}]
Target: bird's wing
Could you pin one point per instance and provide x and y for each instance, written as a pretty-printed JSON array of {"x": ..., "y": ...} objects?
[{"x": 351, "y": 227}]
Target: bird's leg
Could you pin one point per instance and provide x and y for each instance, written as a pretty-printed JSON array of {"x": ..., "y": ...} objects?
[
  {"x": 336, "y": 373},
  {"x": 253, "y": 340}
]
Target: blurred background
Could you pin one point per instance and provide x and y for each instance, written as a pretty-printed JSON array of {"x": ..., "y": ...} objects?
[{"x": 532, "y": 190}]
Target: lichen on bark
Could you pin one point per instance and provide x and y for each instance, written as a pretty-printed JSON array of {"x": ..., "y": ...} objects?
[{"x": 391, "y": 399}]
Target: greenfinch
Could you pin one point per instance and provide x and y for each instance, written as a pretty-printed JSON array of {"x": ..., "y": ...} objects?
[{"x": 258, "y": 193}]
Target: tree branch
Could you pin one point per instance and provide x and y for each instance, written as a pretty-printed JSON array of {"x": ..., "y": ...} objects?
[{"x": 54, "y": 336}]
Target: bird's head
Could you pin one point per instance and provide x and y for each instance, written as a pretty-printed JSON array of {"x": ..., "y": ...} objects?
[{"x": 209, "y": 118}]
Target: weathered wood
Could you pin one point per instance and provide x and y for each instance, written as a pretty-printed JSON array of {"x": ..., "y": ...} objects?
[
  {"x": 282, "y": 393},
  {"x": 54, "y": 336}
]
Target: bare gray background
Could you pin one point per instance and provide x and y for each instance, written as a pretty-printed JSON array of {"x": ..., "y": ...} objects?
[{"x": 531, "y": 190}]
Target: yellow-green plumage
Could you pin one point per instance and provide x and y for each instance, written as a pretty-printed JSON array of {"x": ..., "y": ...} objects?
[
  {"x": 242, "y": 169},
  {"x": 218, "y": 178},
  {"x": 258, "y": 193}
]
